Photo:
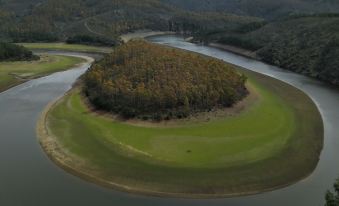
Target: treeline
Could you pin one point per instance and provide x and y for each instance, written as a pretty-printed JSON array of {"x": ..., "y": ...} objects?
[
  {"x": 12, "y": 52},
  {"x": 148, "y": 81},
  {"x": 91, "y": 40}
]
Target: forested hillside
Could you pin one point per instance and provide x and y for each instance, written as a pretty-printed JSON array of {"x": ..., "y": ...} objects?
[
  {"x": 308, "y": 45},
  {"x": 269, "y": 9},
  {"x": 52, "y": 20},
  {"x": 305, "y": 44},
  {"x": 149, "y": 81}
]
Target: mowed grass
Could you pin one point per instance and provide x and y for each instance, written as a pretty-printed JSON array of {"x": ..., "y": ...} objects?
[
  {"x": 66, "y": 47},
  {"x": 14, "y": 73},
  {"x": 274, "y": 142}
]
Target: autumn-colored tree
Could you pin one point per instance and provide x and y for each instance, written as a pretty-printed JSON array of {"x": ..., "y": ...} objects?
[{"x": 149, "y": 81}]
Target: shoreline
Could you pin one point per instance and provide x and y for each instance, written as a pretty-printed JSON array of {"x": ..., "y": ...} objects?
[
  {"x": 55, "y": 153},
  {"x": 236, "y": 50},
  {"x": 142, "y": 34},
  {"x": 24, "y": 80}
]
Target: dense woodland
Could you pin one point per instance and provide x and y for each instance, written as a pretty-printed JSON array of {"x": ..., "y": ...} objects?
[
  {"x": 268, "y": 9},
  {"x": 51, "y": 20},
  {"x": 149, "y": 81},
  {"x": 12, "y": 52},
  {"x": 307, "y": 44}
]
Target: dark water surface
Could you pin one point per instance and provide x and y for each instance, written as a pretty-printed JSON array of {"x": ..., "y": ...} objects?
[{"x": 29, "y": 178}]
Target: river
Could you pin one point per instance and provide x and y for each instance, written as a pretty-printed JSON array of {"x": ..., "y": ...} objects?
[{"x": 29, "y": 178}]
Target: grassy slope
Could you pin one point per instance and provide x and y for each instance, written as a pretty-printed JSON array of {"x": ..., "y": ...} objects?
[
  {"x": 66, "y": 47},
  {"x": 274, "y": 143},
  {"x": 14, "y": 73}
]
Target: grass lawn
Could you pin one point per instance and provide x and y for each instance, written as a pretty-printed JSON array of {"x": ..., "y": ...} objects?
[
  {"x": 66, "y": 47},
  {"x": 14, "y": 73},
  {"x": 274, "y": 142}
]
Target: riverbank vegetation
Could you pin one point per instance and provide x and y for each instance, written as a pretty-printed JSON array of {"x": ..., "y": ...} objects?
[
  {"x": 14, "y": 73},
  {"x": 12, "y": 52},
  {"x": 149, "y": 81},
  {"x": 272, "y": 142},
  {"x": 91, "y": 40}
]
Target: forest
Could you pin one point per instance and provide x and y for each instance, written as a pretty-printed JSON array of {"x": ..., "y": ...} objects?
[
  {"x": 51, "y": 20},
  {"x": 149, "y": 81},
  {"x": 12, "y": 52},
  {"x": 306, "y": 44},
  {"x": 268, "y": 9}
]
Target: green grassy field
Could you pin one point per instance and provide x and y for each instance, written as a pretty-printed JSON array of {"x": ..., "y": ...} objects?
[
  {"x": 274, "y": 142},
  {"x": 14, "y": 73},
  {"x": 66, "y": 47}
]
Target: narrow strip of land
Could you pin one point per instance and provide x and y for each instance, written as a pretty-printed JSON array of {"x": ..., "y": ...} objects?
[{"x": 14, "y": 73}]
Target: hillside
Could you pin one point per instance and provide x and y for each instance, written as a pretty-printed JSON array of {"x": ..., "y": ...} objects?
[
  {"x": 261, "y": 8},
  {"x": 149, "y": 81},
  {"x": 308, "y": 45},
  {"x": 304, "y": 44},
  {"x": 51, "y": 20},
  {"x": 269, "y": 9}
]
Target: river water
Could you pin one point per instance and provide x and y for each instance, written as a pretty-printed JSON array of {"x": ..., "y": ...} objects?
[{"x": 29, "y": 178}]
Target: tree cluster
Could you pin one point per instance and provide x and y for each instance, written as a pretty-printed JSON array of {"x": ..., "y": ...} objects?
[
  {"x": 91, "y": 40},
  {"x": 12, "y": 52},
  {"x": 332, "y": 199},
  {"x": 149, "y": 81}
]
